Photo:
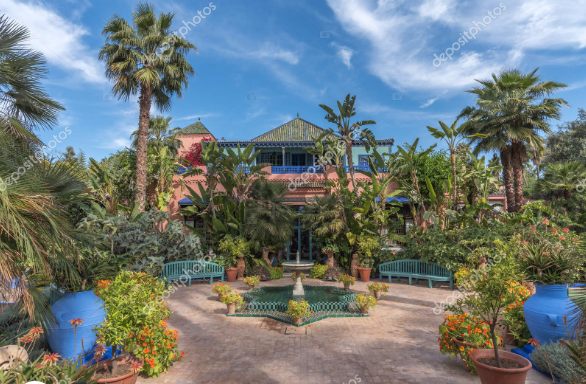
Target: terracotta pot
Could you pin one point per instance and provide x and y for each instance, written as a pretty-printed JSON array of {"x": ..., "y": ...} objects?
[
  {"x": 364, "y": 310},
  {"x": 330, "y": 261},
  {"x": 298, "y": 321},
  {"x": 346, "y": 286},
  {"x": 376, "y": 294},
  {"x": 231, "y": 308},
  {"x": 364, "y": 274},
  {"x": 491, "y": 375},
  {"x": 251, "y": 286},
  {"x": 509, "y": 339},
  {"x": 265, "y": 255},
  {"x": 241, "y": 265},
  {"x": 232, "y": 273},
  {"x": 354, "y": 266},
  {"x": 465, "y": 345},
  {"x": 129, "y": 378}
]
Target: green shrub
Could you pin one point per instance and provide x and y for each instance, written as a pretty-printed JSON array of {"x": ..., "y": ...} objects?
[
  {"x": 553, "y": 358},
  {"x": 318, "y": 271},
  {"x": 276, "y": 272}
]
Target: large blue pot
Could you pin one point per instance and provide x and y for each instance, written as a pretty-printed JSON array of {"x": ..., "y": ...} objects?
[
  {"x": 545, "y": 312},
  {"x": 62, "y": 337}
]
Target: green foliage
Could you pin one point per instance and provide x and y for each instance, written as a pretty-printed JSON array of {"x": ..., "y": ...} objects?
[
  {"x": 50, "y": 373},
  {"x": 365, "y": 301},
  {"x": 298, "y": 309},
  {"x": 234, "y": 247},
  {"x": 276, "y": 272},
  {"x": 568, "y": 143},
  {"x": 318, "y": 271},
  {"x": 554, "y": 358}
]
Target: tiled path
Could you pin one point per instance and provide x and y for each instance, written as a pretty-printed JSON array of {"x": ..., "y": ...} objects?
[{"x": 396, "y": 344}]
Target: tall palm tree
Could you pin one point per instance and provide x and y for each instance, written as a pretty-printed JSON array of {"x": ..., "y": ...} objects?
[
  {"x": 453, "y": 136},
  {"x": 145, "y": 58},
  {"x": 512, "y": 110},
  {"x": 24, "y": 105},
  {"x": 346, "y": 130},
  {"x": 160, "y": 135},
  {"x": 560, "y": 180}
]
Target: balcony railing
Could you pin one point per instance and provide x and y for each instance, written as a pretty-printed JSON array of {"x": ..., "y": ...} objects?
[
  {"x": 296, "y": 169},
  {"x": 363, "y": 168}
]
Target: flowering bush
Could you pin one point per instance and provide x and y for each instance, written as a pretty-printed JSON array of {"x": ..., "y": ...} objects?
[
  {"x": 382, "y": 288},
  {"x": 513, "y": 315},
  {"x": 232, "y": 298},
  {"x": 365, "y": 301},
  {"x": 294, "y": 275},
  {"x": 252, "y": 280},
  {"x": 466, "y": 329},
  {"x": 346, "y": 279},
  {"x": 276, "y": 272},
  {"x": 298, "y": 309},
  {"x": 318, "y": 271},
  {"x": 157, "y": 346},
  {"x": 221, "y": 289}
]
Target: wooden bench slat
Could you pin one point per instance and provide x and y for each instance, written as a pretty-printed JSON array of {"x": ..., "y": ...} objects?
[{"x": 416, "y": 269}]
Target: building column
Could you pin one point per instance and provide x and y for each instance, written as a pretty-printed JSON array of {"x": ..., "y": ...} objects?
[{"x": 283, "y": 148}]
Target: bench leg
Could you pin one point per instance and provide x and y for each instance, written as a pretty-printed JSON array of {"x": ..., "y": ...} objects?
[
  {"x": 211, "y": 280},
  {"x": 410, "y": 281},
  {"x": 430, "y": 283},
  {"x": 189, "y": 284},
  {"x": 452, "y": 284},
  {"x": 222, "y": 278},
  {"x": 416, "y": 281},
  {"x": 390, "y": 279}
]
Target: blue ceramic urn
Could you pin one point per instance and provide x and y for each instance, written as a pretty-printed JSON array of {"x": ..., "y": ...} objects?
[
  {"x": 547, "y": 313},
  {"x": 62, "y": 336}
]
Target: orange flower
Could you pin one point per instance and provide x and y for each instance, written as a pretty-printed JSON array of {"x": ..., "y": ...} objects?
[
  {"x": 554, "y": 231},
  {"x": 75, "y": 322},
  {"x": 562, "y": 237},
  {"x": 182, "y": 354},
  {"x": 545, "y": 221},
  {"x": 51, "y": 358}
]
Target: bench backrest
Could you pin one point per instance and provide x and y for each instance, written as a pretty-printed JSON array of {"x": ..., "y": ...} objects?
[
  {"x": 418, "y": 267},
  {"x": 193, "y": 267}
]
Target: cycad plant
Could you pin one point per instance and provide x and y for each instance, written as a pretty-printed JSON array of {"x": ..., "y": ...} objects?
[{"x": 145, "y": 58}]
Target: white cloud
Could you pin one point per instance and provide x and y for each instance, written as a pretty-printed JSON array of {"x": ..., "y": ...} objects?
[
  {"x": 404, "y": 36},
  {"x": 196, "y": 116},
  {"x": 429, "y": 102},
  {"x": 252, "y": 115},
  {"x": 59, "y": 39},
  {"x": 264, "y": 51},
  {"x": 344, "y": 53}
]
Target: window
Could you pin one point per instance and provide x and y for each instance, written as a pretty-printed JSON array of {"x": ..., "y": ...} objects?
[
  {"x": 273, "y": 158},
  {"x": 298, "y": 159}
]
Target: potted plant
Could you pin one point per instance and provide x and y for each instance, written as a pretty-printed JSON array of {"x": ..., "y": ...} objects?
[
  {"x": 365, "y": 302},
  {"x": 552, "y": 266},
  {"x": 221, "y": 289},
  {"x": 318, "y": 271},
  {"x": 461, "y": 334},
  {"x": 134, "y": 302},
  {"x": 378, "y": 289},
  {"x": 294, "y": 275},
  {"x": 78, "y": 302},
  {"x": 347, "y": 280},
  {"x": 234, "y": 247},
  {"x": 232, "y": 301},
  {"x": 517, "y": 331},
  {"x": 488, "y": 297},
  {"x": 366, "y": 246},
  {"x": 329, "y": 248},
  {"x": 297, "y": 310},
  {"x": 252, "y": 281}
]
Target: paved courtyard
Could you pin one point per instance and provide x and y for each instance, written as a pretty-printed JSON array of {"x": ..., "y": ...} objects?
[{"x": 396, "y": 344}]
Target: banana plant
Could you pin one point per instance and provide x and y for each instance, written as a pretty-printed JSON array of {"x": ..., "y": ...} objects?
[
  {"x": 239, "y": 172},
  {"x": 103, "y": 179}
]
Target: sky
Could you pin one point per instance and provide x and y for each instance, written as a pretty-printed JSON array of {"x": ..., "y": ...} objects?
[{"x": 260, "y": 62}]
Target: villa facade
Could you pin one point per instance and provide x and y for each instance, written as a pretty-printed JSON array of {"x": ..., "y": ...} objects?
[{"x": 283, "y": 148}]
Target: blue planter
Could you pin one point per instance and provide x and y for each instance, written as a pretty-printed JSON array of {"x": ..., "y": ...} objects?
[
  {"x": 81, "y": 305},
  {"x": 545, "y": 311}
]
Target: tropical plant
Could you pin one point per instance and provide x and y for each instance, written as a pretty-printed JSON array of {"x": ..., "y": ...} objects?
[
  {"x": 318, "y": 271},
  {"x": 546, "y": 262},
  {"x": 160, "y": 135},
  {"x": 568, "y": 144},
  {"x": 234, "y": 247},
  {"x": 347, "y": 130},
  {"x": 145, "y": 57},
  {"x": 298, "y": 309},
  {"x": 511, "y": 111},
  {"x": 562, "y": 180},
  {"x": 104, "y": 179},
  {"x": 161, "y": 168},
  {"x": 365, "y": 301},
  {"x": 46, "y": 370}
]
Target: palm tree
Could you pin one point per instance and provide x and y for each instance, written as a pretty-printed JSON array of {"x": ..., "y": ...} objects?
[
  {"x": 560, "y": 180},
  {"x": 24, "y": 105},
  {"x": 269, "y": 221},
  {"x": 347, "y": 130},
  {"x": 325, "y": 217},
  {"x": 145, "y": 58},
  {"x": 453, "y": 136},
  {"x": 512, "y": 110},
  {"x": 160, "y": 135}
]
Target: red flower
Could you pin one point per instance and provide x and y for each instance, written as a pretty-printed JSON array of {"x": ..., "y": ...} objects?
[
  {"x": 554, "y": 231},
  {"x": 182, "y": 354},
  {"x": 51, "y": 358},
  {"x": 76, "y": 322},
  {"x": 533, "y": 229},
  {"x": 135, "y": 367},
  {"x": 562, "y": 237},
  {"x": 566, "y": 230},
  {"x": 545, "y": 221}
]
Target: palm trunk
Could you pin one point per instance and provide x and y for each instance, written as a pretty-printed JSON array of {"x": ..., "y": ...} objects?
[
  {"x": 518, "y": 174},
  {"x": 325, "y": 171},
  {"x": 508, "y": 178},
  {"x": 351, "y": 165},
  {"x": 141, "y": 149},
  {"x": 453, "y": 160}
]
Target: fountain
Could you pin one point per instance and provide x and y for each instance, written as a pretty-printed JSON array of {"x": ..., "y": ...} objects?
[{"x": 297, "y": 267}]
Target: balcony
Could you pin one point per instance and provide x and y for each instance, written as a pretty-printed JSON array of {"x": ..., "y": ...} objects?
[{"x": 279, "y": 170}]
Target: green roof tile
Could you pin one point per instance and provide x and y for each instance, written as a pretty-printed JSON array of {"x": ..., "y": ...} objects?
[
  {"x": 195, "y": 128},
  {"x": 295, "y": 130}
]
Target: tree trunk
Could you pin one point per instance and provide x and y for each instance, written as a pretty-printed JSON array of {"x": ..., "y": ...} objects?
[
  {"x": 453, "y": 160},
  {"x": 494, "y": 343},
  {"x": 517, "y": 174},
  {"x": 508, "y": 178},
  {"x": 348, "y": 140},
  {"x": 141, "y": 149}
]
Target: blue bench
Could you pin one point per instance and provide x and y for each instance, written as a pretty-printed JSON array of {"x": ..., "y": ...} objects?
[
  {"x": 191, "y": 269},
  {"x": 416, "y": 269}
]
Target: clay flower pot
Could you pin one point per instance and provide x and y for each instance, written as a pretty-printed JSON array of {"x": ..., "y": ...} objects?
[
  {"x": 465, "y": 345},
  {"x": 231, "y": 308},
  {"x": 232, "y": 273},
  {"x": 491, "y": 375},
  {"x": 330, "y": 261},
  {"x": 364, "y": 310},
  {"x": 251, "y": 286},
  {"x": 376, "y": 294},
  {"x": 128, "y": 378},
  {"x": 298, "y": 321},
  {"x": 364, "y": 274},
  {"x": 346, "y": 286},
  {"x": 241, "y": 265}
]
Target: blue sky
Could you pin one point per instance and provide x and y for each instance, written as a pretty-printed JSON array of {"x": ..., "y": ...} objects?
[{"x": 259, "y": 63}]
